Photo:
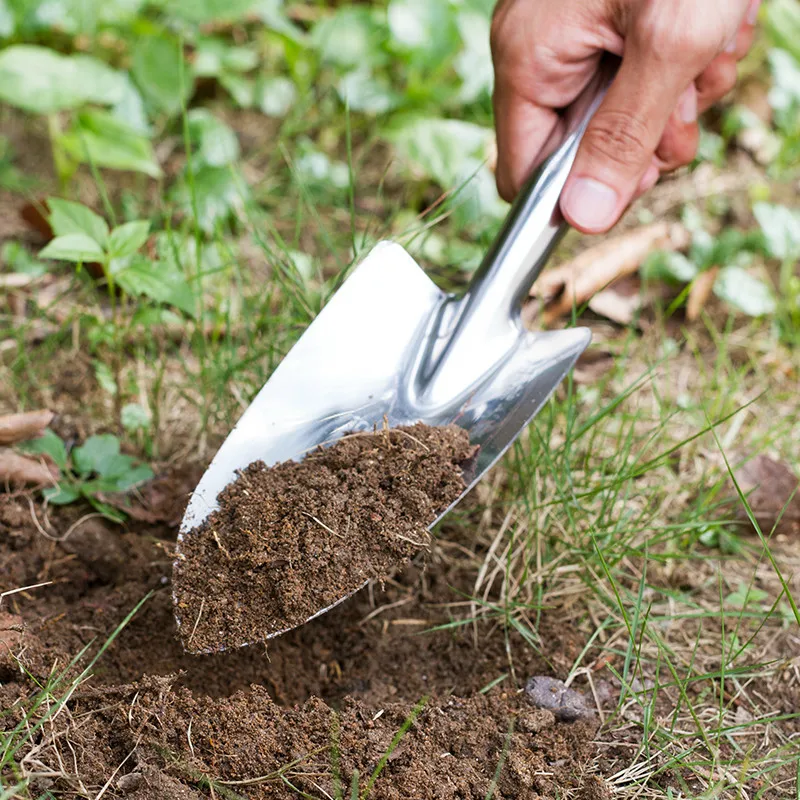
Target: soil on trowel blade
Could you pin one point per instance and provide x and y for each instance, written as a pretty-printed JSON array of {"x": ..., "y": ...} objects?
[{"x": 291, "y": 540}]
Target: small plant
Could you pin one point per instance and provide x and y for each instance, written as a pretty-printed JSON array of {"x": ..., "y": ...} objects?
[
  {"x": 89, "y": 471},
  {"x": 724, "y": 258},
  {"x": 68, "y": 90}
]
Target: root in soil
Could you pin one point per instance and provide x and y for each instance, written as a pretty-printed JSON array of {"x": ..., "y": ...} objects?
[{"x": 291, "y": 540}]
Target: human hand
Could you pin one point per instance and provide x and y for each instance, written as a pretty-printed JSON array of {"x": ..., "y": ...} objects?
[{"x": 678, "y": 58}]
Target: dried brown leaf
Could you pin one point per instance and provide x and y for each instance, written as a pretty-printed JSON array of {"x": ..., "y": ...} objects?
[
  {"x": 597, "y": 268},
  {"x": 699, "y": 293},
  {"x": 19, "y": 427},
  {"x": 620, "y": 302},
  {"x": 592, "y": 365},
  {"x": 19, "y": 469},
  {"x": 15, "y": 280},
  {"x": 768, "y": 486}
]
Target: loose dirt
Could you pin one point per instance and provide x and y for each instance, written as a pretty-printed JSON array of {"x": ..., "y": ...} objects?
[
  {"x": 327, "y": 698},
  {"x": 291, "y": 540}
]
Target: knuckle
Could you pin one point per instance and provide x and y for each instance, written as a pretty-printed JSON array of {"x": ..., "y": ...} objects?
[
  {"x": 619, "y": 138},
  {"x": 668, "y": 41}
]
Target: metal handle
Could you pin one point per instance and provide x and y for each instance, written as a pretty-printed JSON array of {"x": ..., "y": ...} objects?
[{"x": 534, "y": 225}]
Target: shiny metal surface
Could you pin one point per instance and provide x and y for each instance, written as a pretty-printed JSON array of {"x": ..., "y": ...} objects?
[{"x": 391, "y": 344}]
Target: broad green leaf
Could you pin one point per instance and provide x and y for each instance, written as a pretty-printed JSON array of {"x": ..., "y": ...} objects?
[
  {"x": 272, "y": 13},
  {"x": 452, "y": 153},
  {"x": 745, "y": 596},
  {"x": 351, "y": 37},
  {"x": 81, "y": 16},
  {"x": 134, "y": 417},
  {"x": 474, "y": 62},
  {"x": 106, "y": 141},
  {"x": 202, "y": 11},
  {"x": 741, "y": 290},
  {"x": 276, "y": 96},
  {"x": 240, "y": 88},
  {"x": 104, "y": 376},
  {"x": 67, "y": 217},
  {"x": 126, "y": 239},
  {"x": 50, "y": 444},
  {"x": 217, "y": 193},
  {"x": 217, "y": 143},
  {"x": 130, "y": 110},
  {"x": 214, "y": 56},
  {"x": 18, "y": 259},
  {"x": 782, "y": 20},
  {"x": 97, "y": 454},
  {"x": 668, "y": 266},
  {"x": 156, "y": 68},
  {"x": 76, "y": 247},
  {"x": 134, "y": 476},
  {"x": 8, "y": 22},
  {"x": 61, "y": 495},
  {"x": 42, "y": 81},
  {"x": 426, "y": 27},
  {"x": 781, "y": 227},
  {"x": 314, "y": 167},
  {"x": 159, "y": 281},
  {"x": 362, "y": 91}
]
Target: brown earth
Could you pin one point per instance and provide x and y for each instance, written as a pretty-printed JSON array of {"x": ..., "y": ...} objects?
[
  {"x": 155, "y": 722},
  {"x": 291, "y": 540}
]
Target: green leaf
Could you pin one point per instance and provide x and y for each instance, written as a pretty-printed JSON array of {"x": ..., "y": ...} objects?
[
  {"x": 782, "y": 20},
  {"x": 67, "y": 217},
  {"x": 106, "y": 141},
  {"x": 97, "y": 455},
  {"x": 452, "y": 153},
  {"x": 156, "y": 68},
  {"x": 105, "y": 377},
  {"x": 41, "y": 81},
  {"x": 18, "y": 259},
  {"x": 275, "y": 96},
  {"x": 130, "y": 110},
  {"x": 133, "y": 476},
  {"x": 217, "y": 143},
  {"x": 134, "y": 417},
  {"x": 61, "y": 495},
  {"x": 49, "y": 443},
  {"x": 426, "y": 27},
  {"x": 474, "y": 63},
  {"x": 8, "y": 22},
  {"x": 668, "y": 266},
  {"x": 241, "y": 89},
  {"x": 76, "y": 247},
  {"x": 741, "y": 290},
  {"x": 351, "y": 37},
  {"x": 362, "y": 91},
  {"x": 781, "y": 227},
  {"x": 217, "y": 193},
  {"x": 159, "y": 281},
  {"x": 745, "y": 596},
  {"x": 202, "y": 11},
  {"x": 125, "y": 240}
]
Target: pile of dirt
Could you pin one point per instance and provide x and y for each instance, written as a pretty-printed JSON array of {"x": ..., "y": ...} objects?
[
  {"x": 158, "y": 723},
  {"x": 291, "y": 540}
]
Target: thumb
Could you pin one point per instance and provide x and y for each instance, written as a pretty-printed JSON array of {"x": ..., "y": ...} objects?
[{"x": 622, "y": 138}]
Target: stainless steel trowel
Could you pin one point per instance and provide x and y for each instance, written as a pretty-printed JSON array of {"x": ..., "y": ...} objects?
[{"x": 390, "y": 344}]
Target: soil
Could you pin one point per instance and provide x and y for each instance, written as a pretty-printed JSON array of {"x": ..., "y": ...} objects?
[
  {"x": 291, "y": 540},
  {"x": 155, "y": 722}
]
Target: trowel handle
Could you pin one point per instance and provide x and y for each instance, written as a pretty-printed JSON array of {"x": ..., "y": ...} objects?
[{"x": 534, "y": 224}]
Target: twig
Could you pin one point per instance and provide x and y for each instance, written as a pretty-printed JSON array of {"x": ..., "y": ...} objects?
[{"x": 197, "y": 621}]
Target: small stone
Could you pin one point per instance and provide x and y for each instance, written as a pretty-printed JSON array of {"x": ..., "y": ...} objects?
[
  {"x": 130, "y": 782},
  {"x": 566, "y": 704}
]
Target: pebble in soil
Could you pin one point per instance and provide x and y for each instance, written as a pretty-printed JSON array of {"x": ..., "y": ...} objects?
[{"x": 290, "y": 540}]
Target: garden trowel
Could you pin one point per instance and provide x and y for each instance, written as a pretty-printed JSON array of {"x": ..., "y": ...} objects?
[{"x": 390, "y": 346}]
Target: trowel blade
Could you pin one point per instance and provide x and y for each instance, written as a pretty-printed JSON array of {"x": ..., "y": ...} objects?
[{"x": 350, "y": 371}]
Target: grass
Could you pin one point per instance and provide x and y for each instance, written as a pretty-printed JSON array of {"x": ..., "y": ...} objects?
[{"x": 616, "y": 513}]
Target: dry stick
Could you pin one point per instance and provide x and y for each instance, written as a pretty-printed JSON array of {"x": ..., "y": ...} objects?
[
  {"x": 19, "y": 427},
  {"x": 119, "y": 767},
  {"x": 197, "y": 621},
  {"x": 23, "y": 589},
  {"x": 320, "y": 522}
]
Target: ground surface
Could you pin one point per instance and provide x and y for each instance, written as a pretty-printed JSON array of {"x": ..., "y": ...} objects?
[{"x": 609, "y": 550}]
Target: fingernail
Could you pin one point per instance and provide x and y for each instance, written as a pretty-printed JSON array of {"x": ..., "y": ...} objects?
[
  {"x": 687, "y": 106},
  {"x": 649, "y": 179},
  {"x": 752, "y": 12},
  {"x": 590, "y": 204}
]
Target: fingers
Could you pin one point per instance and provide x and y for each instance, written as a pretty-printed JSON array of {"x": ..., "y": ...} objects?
[
  {"x": 523, "y": 130},
  {"x": 621, "y": 140},
  {"x": 716, "y": 81}
]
